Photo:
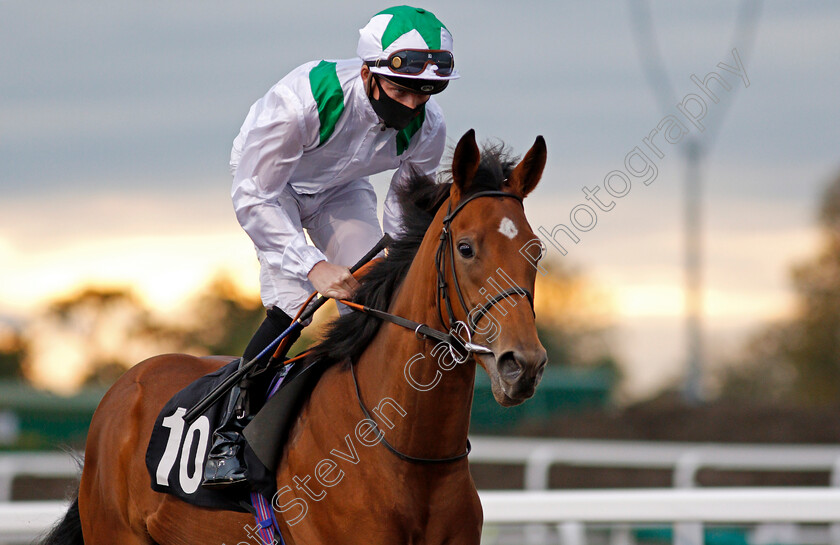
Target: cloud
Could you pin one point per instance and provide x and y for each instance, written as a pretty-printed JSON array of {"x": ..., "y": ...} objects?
[
  {"x": 164, "y": 245},
  {"x": 164, "y": 270},
  {"x": 117, "y": 121}
]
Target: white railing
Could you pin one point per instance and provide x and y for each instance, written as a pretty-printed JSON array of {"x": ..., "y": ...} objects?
[
  {"x": 539, "y": 455},
  {"x": 773, "y": 514},
  {"x": 35, "y": 464},
  {"x": 684, "y": 459},
  {"x": 27, "y": 520},
  {"x": 21, "y": 522},
  {"x": 718, "y": 505}
]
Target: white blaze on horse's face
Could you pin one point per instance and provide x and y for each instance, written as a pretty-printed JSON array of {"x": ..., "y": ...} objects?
[{"x": 507, "y": 228}]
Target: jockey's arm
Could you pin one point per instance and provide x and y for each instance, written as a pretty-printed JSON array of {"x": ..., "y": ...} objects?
[{"x": 262, "y": 166}]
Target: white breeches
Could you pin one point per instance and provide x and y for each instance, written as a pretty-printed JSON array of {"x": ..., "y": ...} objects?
[{"x": 341, "y": 222}]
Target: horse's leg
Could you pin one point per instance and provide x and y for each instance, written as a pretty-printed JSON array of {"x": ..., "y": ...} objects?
[
  {"x": 455, "y": 517},
  {"x": 164, "y": 518},
  {"x": 104, "y": 534},
  {"x": 104, "y": 523},
  {"x": 115, "y": 498},
  {"x": 107, "y": 510}
]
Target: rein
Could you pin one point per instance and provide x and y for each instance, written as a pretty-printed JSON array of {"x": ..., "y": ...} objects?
[
  {"x": 389, "y": 446},
  {"x": 452, "y": 339}
]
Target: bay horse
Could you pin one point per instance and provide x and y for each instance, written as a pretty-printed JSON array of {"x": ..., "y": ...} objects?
[{"x": 377, "y": 454}]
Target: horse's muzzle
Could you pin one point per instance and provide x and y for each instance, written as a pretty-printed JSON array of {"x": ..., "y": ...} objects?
[{"x": 520, "y": 372}]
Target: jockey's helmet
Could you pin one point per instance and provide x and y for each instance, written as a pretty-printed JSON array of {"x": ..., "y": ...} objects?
[{"x": 410, "y": 47}]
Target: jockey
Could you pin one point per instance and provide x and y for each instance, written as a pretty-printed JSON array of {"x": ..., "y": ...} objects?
[{"x": 301, "y": 162}]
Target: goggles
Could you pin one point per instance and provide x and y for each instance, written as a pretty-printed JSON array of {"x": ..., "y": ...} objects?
[{"x": 412, "y": 62}]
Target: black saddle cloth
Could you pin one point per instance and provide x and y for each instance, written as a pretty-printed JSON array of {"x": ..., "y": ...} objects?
[{"x": 176, "y": 453}]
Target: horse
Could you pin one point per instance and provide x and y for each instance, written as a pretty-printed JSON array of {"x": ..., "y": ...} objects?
[{"x": 378, "y": 452}]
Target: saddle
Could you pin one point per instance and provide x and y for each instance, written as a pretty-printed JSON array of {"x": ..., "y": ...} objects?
[{"x": 176, "y": 453}]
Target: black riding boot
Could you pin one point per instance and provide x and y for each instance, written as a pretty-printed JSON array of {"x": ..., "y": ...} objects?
[{"x": 225, "y": 465}]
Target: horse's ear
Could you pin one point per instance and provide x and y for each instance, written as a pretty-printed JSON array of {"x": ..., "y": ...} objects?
[
  {"x": 528, "y": 172},
  {"x": 464, "y": 164}
]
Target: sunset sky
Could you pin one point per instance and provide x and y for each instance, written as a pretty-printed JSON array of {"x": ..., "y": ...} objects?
[{"x": 116, "y": 121}]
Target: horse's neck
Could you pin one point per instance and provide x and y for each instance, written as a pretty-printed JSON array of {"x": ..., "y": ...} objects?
[{"x": 413, "y": 373}]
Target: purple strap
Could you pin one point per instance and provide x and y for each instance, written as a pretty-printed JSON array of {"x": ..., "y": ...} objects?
[
  {"x": 266, "y": 521},
  {"x": 278, "y": 380}
]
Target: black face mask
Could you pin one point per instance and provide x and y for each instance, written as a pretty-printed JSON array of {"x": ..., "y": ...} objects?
[{"x": 393, "y": 113}]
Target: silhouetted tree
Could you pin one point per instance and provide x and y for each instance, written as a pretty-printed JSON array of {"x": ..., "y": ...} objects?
[
  {"x": 92, "y": 336},
  {"x": 12, "y": 350},
  {"x": 799, "y": 358},
  {"x": 93, "y": 328},
  {"x": 226, "y": 317},
  {"x": 814, "y": 340},
  {"x": 573, "y": 320}
]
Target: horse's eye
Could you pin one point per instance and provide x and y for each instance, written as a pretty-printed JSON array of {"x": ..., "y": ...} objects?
[{"x": 465, "y": 250}]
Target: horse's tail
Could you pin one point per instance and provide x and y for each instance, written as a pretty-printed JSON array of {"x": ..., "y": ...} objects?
[{"x": 69, "y": 530}]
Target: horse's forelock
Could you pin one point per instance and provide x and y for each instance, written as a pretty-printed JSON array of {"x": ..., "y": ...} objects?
[{"x": 495, "y": 166}]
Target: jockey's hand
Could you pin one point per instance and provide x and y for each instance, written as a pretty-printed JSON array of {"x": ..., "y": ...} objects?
[{"x": 333, "y": 280}]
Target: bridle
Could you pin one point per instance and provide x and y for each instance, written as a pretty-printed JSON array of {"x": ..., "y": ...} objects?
[
  {"x": 443, "y": 292},
  {"x": 458, "y": 347}
]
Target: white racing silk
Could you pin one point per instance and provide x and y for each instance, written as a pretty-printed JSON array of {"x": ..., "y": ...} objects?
[{"x": 289, "y": 150}]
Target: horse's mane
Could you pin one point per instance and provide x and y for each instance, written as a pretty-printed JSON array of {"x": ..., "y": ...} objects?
[{"x": 420, "y": 198}]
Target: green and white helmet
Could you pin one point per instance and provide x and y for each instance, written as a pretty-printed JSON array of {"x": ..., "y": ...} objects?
[{"x": 408, "y": 43}]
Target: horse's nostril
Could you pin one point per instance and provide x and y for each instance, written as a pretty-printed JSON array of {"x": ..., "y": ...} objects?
[
  {"x": 509, "y": 368},
  {"x": 540, "y": 372}
]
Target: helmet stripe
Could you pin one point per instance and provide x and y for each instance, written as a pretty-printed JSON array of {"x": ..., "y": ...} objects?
[{"x": 405, "y": 19}]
